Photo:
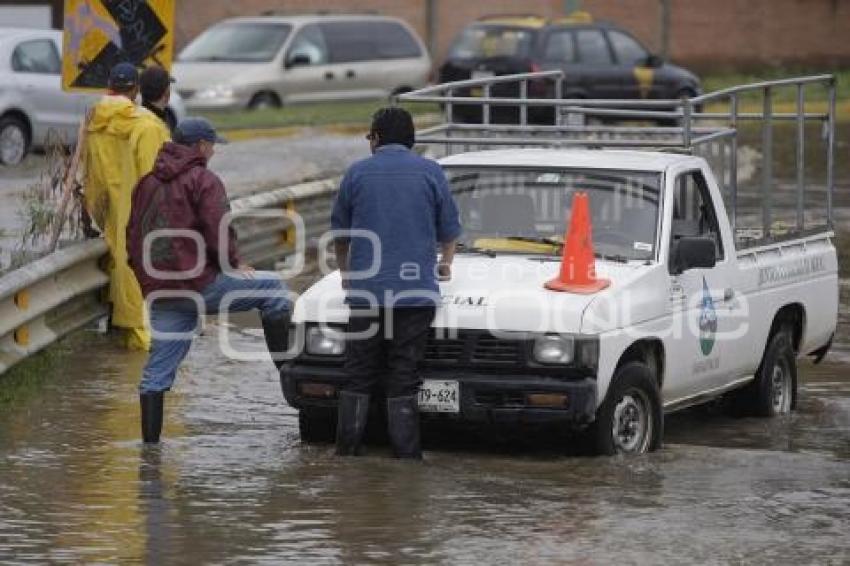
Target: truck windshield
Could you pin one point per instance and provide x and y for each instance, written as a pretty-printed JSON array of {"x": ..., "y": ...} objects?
[
  {"x": 484, "y": 42},
  {"x": 526, "y": 210},
  {"x": 242, "y": 42}
]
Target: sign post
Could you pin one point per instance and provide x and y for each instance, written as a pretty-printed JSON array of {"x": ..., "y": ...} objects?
[{"x": 102, "y": 33}]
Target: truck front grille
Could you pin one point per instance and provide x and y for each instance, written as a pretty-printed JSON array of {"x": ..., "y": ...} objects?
[{"x": 473, "y": 348}]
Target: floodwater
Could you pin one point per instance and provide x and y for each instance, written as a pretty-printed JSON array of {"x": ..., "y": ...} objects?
[{"x": 231, "y": 482}]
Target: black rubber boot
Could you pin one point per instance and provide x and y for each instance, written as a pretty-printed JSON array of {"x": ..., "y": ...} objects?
[
  {"x": 276, "y": 331},
  {"x": 351, "y": 422},
  {"x": 151, "y": 405},
  {"x": 403, "y": 426}
]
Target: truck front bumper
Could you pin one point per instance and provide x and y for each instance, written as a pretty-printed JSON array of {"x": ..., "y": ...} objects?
[{"x": 484, "y": 398}]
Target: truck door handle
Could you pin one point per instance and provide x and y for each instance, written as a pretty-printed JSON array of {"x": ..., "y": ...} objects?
[
  {"x": 329, "y": 76},
  {"x": 350, "y": 74}
]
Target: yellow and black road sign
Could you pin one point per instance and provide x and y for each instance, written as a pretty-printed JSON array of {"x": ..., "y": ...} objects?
[{"x": 99, "y": 34}]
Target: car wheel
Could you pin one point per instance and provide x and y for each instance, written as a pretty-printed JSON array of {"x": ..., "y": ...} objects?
[
  {"x": 14, "y": 140},
  {"x": 317, "y": 427},
  {"x": 774, "y": 390},
  {"x": 264, "y": 100},
  {"x": 630, "y": 420}
]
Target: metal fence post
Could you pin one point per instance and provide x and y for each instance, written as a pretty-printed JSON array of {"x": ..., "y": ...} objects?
[
  {"x": 485, "y": 118},
  {"x": 801, "y": 169},
  {"x": 733, "y": 165},
  {"x": 830, "y": 155},
  {"x": 559, "y": 95},
  {"x": 767, "y": 161},
  {"x": 523, "y": 109}
]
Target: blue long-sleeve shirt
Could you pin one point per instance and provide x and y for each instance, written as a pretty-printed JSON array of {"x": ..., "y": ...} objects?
[{"x": 405, "y": 201}]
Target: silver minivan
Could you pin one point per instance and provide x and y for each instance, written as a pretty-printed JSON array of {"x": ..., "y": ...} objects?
[{"x": 270, "y": 61}]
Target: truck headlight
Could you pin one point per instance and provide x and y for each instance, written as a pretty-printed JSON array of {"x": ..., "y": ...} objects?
[
  {"x": 554, "y": 349},
  {"x": 324, "y": 341}
]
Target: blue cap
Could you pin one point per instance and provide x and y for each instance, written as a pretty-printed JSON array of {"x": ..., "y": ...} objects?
[
  {"x": 192, "y": 130},
  {"x": 123, "y": 75}
]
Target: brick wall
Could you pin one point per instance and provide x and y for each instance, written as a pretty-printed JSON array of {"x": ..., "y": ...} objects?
[{"x": 704, "y": 33}]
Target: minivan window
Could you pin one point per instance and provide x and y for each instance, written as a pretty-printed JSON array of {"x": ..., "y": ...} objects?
[
  {"x": 349, "y": 42},
  {"x": 560, "y": 46},
  {"x": 592, "y": 47},
  {"x": 627, "y": 49},
  {"x": 393, "y": 41},
  {"x": 247, "y": 42},
  {"x": 38, "y": 56},
  {"x": 481, "y": 42},
  {"x": 309, "y": 43}
]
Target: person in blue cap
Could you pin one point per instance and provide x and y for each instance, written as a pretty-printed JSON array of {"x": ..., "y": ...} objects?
[{"x": 186, "y": 276}]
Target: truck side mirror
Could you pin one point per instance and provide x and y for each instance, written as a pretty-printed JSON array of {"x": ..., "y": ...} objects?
[{"x": 691, "y": 252}]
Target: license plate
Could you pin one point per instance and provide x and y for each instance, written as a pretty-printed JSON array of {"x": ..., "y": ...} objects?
[
  {"x": 439, "y": 396},
  {"x": 482, "y": 74}
]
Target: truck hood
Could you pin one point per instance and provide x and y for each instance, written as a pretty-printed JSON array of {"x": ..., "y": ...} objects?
[
  {"x": 196, "y": 76},
  {"x": 503, "y": 293}
]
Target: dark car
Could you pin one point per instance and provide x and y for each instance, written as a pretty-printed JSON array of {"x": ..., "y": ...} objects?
[{"x": 599, "y": 60}]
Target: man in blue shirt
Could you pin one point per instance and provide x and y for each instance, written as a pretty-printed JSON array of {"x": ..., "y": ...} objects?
[{"x": 392, "y": 212}]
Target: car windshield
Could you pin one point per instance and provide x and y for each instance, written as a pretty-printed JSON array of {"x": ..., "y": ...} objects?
[
  {"x": 525, "y": 211},
  {"x": 242, "y": 42},
  {"x": 484, "y": 42}
]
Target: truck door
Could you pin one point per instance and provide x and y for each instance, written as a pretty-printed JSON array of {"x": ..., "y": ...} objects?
[{"x": 700, "y": 298}]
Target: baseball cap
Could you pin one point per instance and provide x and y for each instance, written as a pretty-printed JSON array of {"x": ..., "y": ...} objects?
[
  {"x": 123, "y": 75},
  {"x": 192, "y": 130},
  {"x": 153, "y": 82}
]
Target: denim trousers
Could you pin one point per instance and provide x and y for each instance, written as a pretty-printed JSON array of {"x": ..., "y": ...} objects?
[{"x": 179, "y": 317}]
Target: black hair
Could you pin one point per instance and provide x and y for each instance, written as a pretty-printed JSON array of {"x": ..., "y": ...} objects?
[
  {"x": 393, "y": 125},
  {"x": 153, "y": 82}
]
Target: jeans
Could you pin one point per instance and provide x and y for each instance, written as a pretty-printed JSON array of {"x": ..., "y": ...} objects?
[
  {"x": 392, "y": 353},
  {"x": 180, "y": 315}
]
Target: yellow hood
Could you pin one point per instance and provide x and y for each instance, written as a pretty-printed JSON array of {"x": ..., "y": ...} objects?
[{"x": 114, "y": 115}]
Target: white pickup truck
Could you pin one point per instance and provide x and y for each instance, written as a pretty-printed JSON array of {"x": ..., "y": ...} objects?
[{"x": 690, "y": 313}]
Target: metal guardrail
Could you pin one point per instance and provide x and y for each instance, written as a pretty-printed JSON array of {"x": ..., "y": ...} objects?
[{"x": 62, "y": 292}]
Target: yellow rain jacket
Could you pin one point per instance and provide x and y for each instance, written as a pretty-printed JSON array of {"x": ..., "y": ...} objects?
[
  {"x": 148, "y": 135},
  {"x": 111, "y": 175}
]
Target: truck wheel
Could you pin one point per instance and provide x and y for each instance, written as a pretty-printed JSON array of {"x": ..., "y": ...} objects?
[
  {"x": 316, "y": 427},
  {"x": 14, "y": 140},
  {"x": 774, "y": 391},
  {"x": 630, "y": 420}
]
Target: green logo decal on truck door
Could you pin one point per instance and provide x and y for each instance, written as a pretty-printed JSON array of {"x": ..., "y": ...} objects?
[{"x": 707, "y": 321}]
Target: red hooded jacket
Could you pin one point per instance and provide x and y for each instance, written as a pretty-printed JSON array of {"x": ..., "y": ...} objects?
[{"x": 179, "y": 194}]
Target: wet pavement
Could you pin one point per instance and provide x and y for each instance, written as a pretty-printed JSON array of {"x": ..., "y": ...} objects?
[{"x": 231, "y": 482}]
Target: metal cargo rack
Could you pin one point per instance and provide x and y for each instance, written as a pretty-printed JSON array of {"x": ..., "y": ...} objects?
[{"x": 709, "y": 126}]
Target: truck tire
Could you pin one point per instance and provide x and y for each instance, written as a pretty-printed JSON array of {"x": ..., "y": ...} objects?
[
  {"x": 316, "y": 427},
  {"x": 774, "y": 390},
  {"x": 630, "y": 420}
]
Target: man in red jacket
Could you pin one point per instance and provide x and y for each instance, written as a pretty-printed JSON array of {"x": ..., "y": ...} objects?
[{"x": 185, "y": 259}]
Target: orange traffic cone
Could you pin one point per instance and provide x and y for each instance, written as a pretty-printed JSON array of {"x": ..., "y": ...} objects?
[{"x": 578, "y": 266}]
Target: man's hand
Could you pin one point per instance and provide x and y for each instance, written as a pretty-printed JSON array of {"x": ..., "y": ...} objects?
[
  {"x": 246, "y": 270},
  {"x": 444, "y": 271}
]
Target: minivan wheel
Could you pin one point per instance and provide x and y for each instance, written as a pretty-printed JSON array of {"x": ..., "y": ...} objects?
[
  {"x": 14, "y": 140},
  {"x": 630, "y": 420},
  {"x": 264, "y": 100}
]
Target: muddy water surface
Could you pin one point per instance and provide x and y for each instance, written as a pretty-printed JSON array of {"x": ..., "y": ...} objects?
[{"x": 232, "y": 484}]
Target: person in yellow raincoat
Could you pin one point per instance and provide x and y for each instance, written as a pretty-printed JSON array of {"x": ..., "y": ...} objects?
[{"x": 111, "y": 175}]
